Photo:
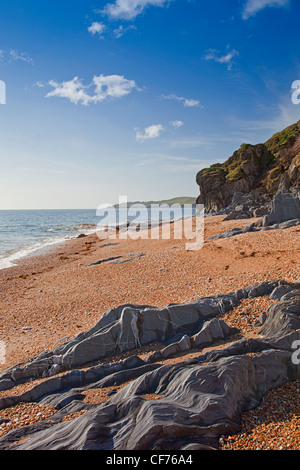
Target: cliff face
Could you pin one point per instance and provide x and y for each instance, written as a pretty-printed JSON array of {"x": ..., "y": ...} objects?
[{"x": 264, "y": 168}]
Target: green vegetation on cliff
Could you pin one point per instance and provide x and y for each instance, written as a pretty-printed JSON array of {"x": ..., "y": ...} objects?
[
  {"x": 236, "y": 166},
  {"x": 267, "y": 162},
  {"x": 282, "y": 139},
  {"x": 279, "y": 145}
]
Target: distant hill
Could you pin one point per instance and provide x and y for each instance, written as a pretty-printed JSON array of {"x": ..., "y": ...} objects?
[{"x": 175, "y": 200}]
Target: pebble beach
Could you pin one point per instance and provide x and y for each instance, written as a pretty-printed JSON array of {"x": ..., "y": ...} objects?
[{"x": 53, "y": 296}]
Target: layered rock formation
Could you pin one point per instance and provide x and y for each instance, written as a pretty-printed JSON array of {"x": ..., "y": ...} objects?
[
  {"x": 284, "y": 213},
  {"x": 260, "y": 170},
  {"x": 285, "y": 206},
  {"x": 200, "y": 399}
]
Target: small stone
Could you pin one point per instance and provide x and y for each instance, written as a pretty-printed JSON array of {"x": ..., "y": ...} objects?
[
  {"x": 64, "y": 338},
  {"x": 262, "y": 318}
]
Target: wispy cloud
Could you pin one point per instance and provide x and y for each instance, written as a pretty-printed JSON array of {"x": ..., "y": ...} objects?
[
  {"x": 176, "y": 124},
  {"x": 254, "y": 6},
  {"x": 170, "y": 163},
  {"x": 22, "y": 56},
  {"x": 39, "y": 84},
  {"x": 192, "y": 141},
  {"x": 216, "y": 56},
  {"x": 12, "y": 55},
  {"x": 234, "y": 136},
  {"x": 102, "y": 30},
  {"x": 97, "y": 28},
  {"x": 187, "y": 102},
  {"x": 105, "y": 87},
  {"x": 122, "y": 10},
  {"x": 121, "y": 30},
  {"x": 130, "y": 9},
  {"x": 150, "y": 132},
  {"x": 285, "y": 115}
]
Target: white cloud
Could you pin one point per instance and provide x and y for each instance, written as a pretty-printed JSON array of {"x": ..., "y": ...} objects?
[
  {"x": 254, "y": 6},
  {"x": 214, "y": 55},
  {"x": 189, "y": 103},
  {"x": 39, "y": 84},
  {"x": 74, "y": 90},
  {"x": 121, "y": 30},
  {"x": 97, "y": 28},
  {"x": 105, "y": 86},
  {"x": 176, "y": 124},
  {"x": 130, "y": 9},
  {"x": 114, "y": 86},
  {"x": 150, "y": 132}
]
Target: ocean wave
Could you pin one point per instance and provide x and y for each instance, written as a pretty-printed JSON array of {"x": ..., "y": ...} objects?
[
  {"x": 72, "y": 228},
  {"x": 10, "y": 258}
]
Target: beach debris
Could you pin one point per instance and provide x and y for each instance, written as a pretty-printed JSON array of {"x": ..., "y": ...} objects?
[
  {"x": 95, "y": 263},
  {"x": 130, "y": 258},
  {"x": 108, "y": 244},
  {"x": 64, "y": 338},
  {"x": 113, "y": 259}
]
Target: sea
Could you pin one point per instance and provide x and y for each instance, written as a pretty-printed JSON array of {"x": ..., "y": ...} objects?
[{"x": 24, "y": 233}]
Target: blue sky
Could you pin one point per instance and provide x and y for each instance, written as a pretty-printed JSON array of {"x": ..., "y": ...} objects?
[{"x": 134, "y": 97}]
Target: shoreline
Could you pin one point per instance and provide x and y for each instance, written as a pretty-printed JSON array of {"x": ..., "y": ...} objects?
[{"x": 15, "y": 256}]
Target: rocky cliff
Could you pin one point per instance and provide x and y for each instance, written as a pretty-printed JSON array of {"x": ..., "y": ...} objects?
[{"x": 261, "y": 170}]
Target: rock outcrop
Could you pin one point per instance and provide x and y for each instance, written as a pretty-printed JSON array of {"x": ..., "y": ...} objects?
[
  {"x": 258, "y": 171},
  {"x": 285, "y": 206},
  {"x": 126, "y": 327},
  {"x": 200, "y": 399},
  {"x": 284, "y": 213}
]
